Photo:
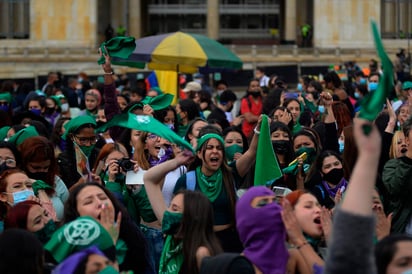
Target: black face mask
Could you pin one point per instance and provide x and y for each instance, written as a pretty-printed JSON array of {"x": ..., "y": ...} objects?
[
  {"x": 334, "y": 176},
  {"x": 254, "y": 94},
  {"x": 3, "y": 167},
  {"x": 50, "y": 111},
  {"x": 38, "y": 175},
  {"x": 281, "y": 146},
  {"x": 100, "y": 123}
]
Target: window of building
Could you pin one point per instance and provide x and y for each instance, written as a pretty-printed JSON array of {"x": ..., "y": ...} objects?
[
  {"x": 396, "y": 22},
  {"x": 15, "y": 19}
]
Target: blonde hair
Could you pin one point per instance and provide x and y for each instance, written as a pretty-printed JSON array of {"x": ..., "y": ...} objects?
[{"x": 393, "y": 150}]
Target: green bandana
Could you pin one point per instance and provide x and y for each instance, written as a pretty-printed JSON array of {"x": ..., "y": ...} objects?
[
  {"x": 76, "y": 123},
  {"x": 172, "y": 257},
  {"x": 22, "y": 135},
  {"x": 3, "y": 132},
  {"x": 120, "y": 47},
  {"x": 204, "y": 138},
  {"x": 210, "y": 186},
  {"x": 87, "y": 150},
  {"x": 78, "y": 235},
  {"x": 5, "y": 96},
  {"x": 231, "y": 151},
  {"x": 159, "y": 102},
  {"x": 39, "y": 185},
  {"x": 171, "y": 222},
  {"x": 46, "y": 232}
]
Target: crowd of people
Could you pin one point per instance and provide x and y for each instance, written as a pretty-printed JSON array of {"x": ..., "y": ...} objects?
[{"x": 71, "y": 200}]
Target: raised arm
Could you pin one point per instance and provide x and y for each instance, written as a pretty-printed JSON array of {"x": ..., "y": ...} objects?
[{"x": 153, "y": 181}]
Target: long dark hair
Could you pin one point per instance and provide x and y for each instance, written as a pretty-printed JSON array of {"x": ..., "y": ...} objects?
[
  {"x": 227, "y": 130},
  {"x": 274, "y": 126},
  {"x": 196, "y": 229},
  {"x": 162, "y": 113},
  {"x": 137, "y": 251},
  {"x": 317, "y": 165},
  {"x": 227, "y": 177}
]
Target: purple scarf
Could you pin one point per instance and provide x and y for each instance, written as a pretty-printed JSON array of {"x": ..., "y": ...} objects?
[
  {"x": 163, "y": 158},
  {"x": 262, "y": 232},
  {"x": 333, "y": 190}
]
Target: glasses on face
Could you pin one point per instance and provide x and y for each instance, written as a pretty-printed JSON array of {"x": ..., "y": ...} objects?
[
  {"x": 86, "y": 140},
  {"x": 4, "y": 103},
  {"x": 152, "y": 136},
  {"x": 9, "y": 162}
]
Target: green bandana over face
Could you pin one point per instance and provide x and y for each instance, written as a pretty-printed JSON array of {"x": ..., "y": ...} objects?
[
  {"x": 231, "y": 151},
  {"x": 172, "y": 257},
  {"x": 87, "y": 150},
  {"x": 171, "y": 222},
  {"x": 210, "y": 186}
]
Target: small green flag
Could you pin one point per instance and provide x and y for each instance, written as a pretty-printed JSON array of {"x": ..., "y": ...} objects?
[
  {"x": 159, "y": 102},
  {"x": 120, "y": 47},
  {"x": 372, "y": 105},
  {"x": 148, "y": 124},
  {"x": 267, "y": 168}
]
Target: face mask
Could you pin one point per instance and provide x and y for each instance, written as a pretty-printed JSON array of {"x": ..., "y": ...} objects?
[
  {"x": 310, "y": 151},
  {"x": 341, "y": 145},
  {"x": 46, "y": 232},
  {"x": 171, "y": 222},
  {"x": 87, "y": 150},
  {"x": 220, "y": 91},
  {"x": 334, "y": 176},
  {"x": 409, "y": 271},
  {"x": 372, "y": 87},
  {"x": 362, "y": 81},
  {"x": 299, "y": 87},
  {"x": 100, "y": 123},
  {"x": 179, "y": 118},
  {"x": 321, "y": 109},
  {"x": 109, "y": 270},
  {"x": 357, "y": 95},
  {"x": 50, "y": 111},
  {"x": 4, "y": 108},
  {"x": 255, "y": 94},
  {"x": 3, "y": 167},
  {"x": 280, "y": 146},
  {"x": 21, "y": 196},
  {"x": 38, "y": 175},
  {"x": 171, "y": 126},
  {"x": 36, "y": 111},
  {"x": 65, "y": 107},
  {"x": 232, "y": 150},
  {"x": 80, "y": 79}
]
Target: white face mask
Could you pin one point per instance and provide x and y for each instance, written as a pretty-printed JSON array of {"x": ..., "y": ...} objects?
[{"x": 65, "y": 107}]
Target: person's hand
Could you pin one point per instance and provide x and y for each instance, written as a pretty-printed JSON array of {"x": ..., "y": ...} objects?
[
  {"x": 282, "y": 98},
  {"x": 383, "y": 222},
  {"x": 135, "y": 166},
  {"x": 238, "y": 120},
  {"x": 284, "y": 117},
  {"x": 292, "y": 226},
  {"x": 96, "y": 178},
  {"x": 327, "y": 99},
  {"x": 338, "y": 196},
  {"x": 367, "y": 137},
  {"x": 108, "y": 221},
  {"x": 148, "y": 110},
  {"x": 237, "y": 156},
  {"x": 184, "y": 158},
  {"x": 107, "y": 66},
  {"x": 326, "y": 222},
  {"x": 113, "y": 169},
  {"x": 391, "y": 112}
]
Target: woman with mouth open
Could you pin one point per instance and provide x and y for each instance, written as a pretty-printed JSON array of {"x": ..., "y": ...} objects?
[{"x": 210, "y": 174}]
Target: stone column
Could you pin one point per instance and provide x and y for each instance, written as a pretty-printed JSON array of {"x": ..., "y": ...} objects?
[
  {"x": 290, "y": 21},
  {"x": 213, "y": 21},
  {"x": 135, "y": 17}
]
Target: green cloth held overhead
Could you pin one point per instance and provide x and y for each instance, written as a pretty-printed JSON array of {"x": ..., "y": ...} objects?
[
  {"x": 267, "y": 169},
  {"x": 373, "y": 103},
  {"x": 76, "y": 123},
  {"x": 22, "y": 135},
  {"x": 147, "y": 124},
  {"x": 3, "y": 132},
  {"x": 78, "y": 235},
  {"x": 5, "y": 96},
  {"x": 159, "y": 102},
  {"x": 120, "y": 47}
]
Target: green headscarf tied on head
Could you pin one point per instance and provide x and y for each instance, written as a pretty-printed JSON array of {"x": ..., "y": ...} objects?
[
  {"x": 208, "y": 136},
  {"x": 22, "y": 135},
  {"x": 76, "y": 123},
  {"x": 56, "y": 99},
  {"x": 5, "y": 96},
  {"x": 3, "y": 132}
]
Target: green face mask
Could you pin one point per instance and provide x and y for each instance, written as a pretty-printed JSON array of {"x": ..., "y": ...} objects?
[
  {"x": 87, "y": 150},
  {"x": 109, "y": 270},
  {"x": 310, "y": 151},
  {"x": 46, "y": 232},
  {"x": 232, "y": 150},
  {"x": 171, "y": 222},
  {"x": 178, "y": 117}
]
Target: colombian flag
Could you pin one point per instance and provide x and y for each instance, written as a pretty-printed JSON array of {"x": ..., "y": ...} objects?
[{"x": 165, "y": 80}]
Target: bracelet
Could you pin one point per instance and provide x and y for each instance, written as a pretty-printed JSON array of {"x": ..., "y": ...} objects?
[
  {"x": 108, "y": 73},
  {"x": 257, "y": 132},
  {"x": 301, "y": 245}
]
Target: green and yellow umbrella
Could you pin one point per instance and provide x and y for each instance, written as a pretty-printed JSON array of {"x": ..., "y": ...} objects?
[{"x": 180, "y": 52}]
